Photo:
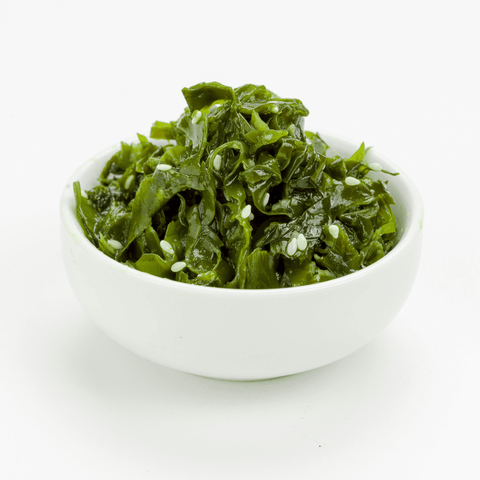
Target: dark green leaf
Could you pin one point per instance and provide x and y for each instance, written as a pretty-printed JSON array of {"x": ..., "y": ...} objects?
[{"x": 241, "y": 194}]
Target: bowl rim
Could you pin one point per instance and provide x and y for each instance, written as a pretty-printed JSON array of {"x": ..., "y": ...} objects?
[{"x": 413, "y": 229}]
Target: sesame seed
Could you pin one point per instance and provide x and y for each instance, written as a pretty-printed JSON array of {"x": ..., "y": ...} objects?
[
  {"x": 84, "y": 194},
  {"x": 266, "y": 198},
  {"x": 268, "y": 137},
  {"x": 302, "y": 242},
  {"x": 164, "y": 167},
  {"x": 334, "y": 230},
  {"x": 129, "y": 181},
  {"x": 292, "y": 129},
  {"x": 292, "y": 247},
  {"x": 196, "y": 116},
  {"x": 352, "y": 181},
  {"x": 178, "y": 266},
  {"x": 115, "y": 244},
  {"x": 275, "y": 109},
  {"x": 217, "y": 162},
  {"x": 166, "y": 247},
  {"x": 251, "y": 216},
  {"x": 376, "y": 167},
  {"x": 246, "y": 211}
]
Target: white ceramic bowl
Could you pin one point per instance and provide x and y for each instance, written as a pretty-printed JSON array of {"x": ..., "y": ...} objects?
[{"x": 243, "y": 334}]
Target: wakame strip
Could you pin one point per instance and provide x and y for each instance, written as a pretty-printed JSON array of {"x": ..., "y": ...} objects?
[{"x": 239, "y": 196}]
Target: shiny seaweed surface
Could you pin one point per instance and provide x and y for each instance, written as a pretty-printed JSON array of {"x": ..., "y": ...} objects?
[{"x": 239, "y": 196}]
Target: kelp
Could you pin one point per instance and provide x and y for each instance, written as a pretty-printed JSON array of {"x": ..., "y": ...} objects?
[{"x": 239, "y": 195}]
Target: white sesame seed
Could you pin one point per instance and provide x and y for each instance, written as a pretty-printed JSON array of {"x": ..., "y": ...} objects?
[
  {"x": 129, "y": 181},
  {"x": 376, "y": 167},
  {"x": 251, "y": 216},
  {"x": 176, "y": 267},
  {"x": 166, "y": 247},
  {"x": 302, "y": 242},
  {"x": 217, "y": 162},
  {"x": 266, "y": 198},
  {"x": 84, "y": 194},
  {"x": 292, "y": 247},
  {"x": 268, "y": 137},
  {"x": 292, "y": 129},
  {"x": 115, "y": 244},
  {"x": 246, "y": 211},
  {"x": 196, "y": 116},
  {"x": 334, "y": 230},
  {"x": 352, "y": 181},
  {"x": 164, "y": 166},
  {"x": 275, "y": 109}
]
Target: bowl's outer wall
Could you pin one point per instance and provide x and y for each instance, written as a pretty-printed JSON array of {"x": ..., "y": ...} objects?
[
  {"x": 241, "y": 335},
  {"x": 238, "y": 337}
]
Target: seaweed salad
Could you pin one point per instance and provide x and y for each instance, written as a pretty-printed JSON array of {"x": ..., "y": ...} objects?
[{"x": 238, "y": 195}]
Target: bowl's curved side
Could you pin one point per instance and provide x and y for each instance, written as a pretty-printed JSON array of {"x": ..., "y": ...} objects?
[
  {"x": 239, "y": 337},
  {"x": 248, "y": 334}
]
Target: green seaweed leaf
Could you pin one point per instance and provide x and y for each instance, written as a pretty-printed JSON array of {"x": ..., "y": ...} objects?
[{"x": 241, "y": 194}]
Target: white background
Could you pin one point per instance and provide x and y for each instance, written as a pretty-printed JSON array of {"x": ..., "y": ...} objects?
[{"x": 79, "y": 76}]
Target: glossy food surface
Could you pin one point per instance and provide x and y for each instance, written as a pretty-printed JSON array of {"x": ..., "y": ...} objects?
[{"x": 241, "y": 196}]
